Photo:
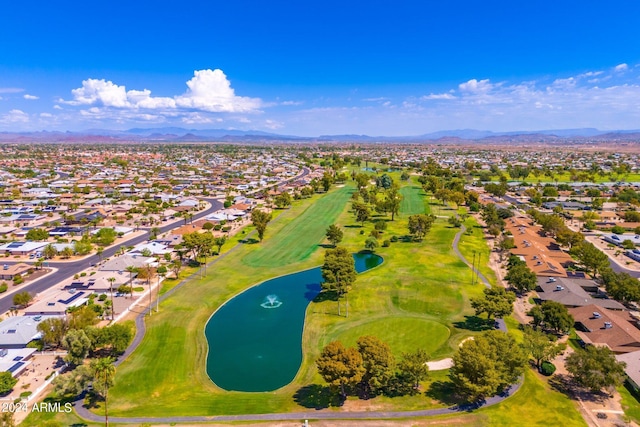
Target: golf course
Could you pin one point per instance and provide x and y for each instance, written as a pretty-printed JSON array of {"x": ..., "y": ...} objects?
[{"x": 418, "y": 298}]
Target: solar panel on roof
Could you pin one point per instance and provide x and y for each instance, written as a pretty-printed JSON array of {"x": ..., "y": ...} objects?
[
  {"x": 71, "y": 299},
  {"x": 11, "y": 331},
  {"x": 17, "y": 358},
  {"x": 16, "y": 367},
  {"x": 15, "y": 245}
]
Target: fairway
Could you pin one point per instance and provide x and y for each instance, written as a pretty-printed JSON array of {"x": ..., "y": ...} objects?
[
  {"x": 301, "y": 236},
  {"x": 413, "y": 200},
  {"x": 403, "y": 334}
]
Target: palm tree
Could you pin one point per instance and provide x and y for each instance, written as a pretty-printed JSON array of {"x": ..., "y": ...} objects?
[
  {"x": 99, "y": 251},
  {"x": 113, "y": 309},
  {"x": 104, "y": 373},
  {"x": 131, "y": 269}
]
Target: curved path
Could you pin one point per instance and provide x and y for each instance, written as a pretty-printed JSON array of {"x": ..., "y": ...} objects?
[
  {"x": 88, "y": 415},
  {"x": 456, "y": 240}
]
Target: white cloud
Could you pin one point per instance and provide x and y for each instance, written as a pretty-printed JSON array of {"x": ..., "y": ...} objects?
[
  {"x": 476, "y": 86},
  {"x": 445, "y": 96},
  {"x": 46, "y": 115},
  {"x": 210, "y": 90},
  {"x": 14, "y": 116},
  {"x": 57, "y": 107},
  {"x": 621, "y": 67},
  {"x": 30, "y": 97},
  {"x": 273, "y": 125}
]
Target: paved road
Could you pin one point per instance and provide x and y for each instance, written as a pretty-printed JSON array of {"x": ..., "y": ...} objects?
[
  {"x": 68, "y": 269},
  {"x": 456, "y": 240},
  {"x": 88, "y": 415}
]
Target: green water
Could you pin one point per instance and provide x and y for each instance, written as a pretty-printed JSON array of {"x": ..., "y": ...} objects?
[{"x": 255, "y": 339}]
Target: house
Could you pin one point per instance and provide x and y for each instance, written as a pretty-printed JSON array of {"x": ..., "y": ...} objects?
[
  {"x": 8, "y": 272},
  {"x": 599, "y": 326},
  {"x": 154, "y": 248},
  {"x": 632, "y": 359},
  {"x": 617, "y": 239},
  {"x": 22, "y": 248},
  {"x": 58, "y": 303},
  {"x": 571, "y": 292},
  {"x": 15, "y": 360},
  {"x": 120, "y": 263},
  {"x": 18, "y": 331}
]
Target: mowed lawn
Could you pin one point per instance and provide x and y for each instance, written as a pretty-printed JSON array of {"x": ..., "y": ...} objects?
[
  {"x": 413, "y": 300},
  {"x": 413, "y": 200},
  {"x": 301, "y": 235}
]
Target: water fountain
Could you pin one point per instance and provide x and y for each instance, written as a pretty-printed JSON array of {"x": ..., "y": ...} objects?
[{"x": 271, "y": 301}]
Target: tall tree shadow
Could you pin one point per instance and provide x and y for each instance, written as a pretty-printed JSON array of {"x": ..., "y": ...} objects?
[
  {"x": 475, "y": 323},
  {"x": 315, "y": 396},
  {"x": 443, "y": 391}
]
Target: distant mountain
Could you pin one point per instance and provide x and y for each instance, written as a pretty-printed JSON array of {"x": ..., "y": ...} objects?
[{"x": 178, "y": 134}]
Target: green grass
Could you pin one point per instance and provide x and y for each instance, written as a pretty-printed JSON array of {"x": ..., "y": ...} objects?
[
  {"x": 630, "y": 403},
  {"x": 416, "y": 298},
  {"x": 403, "y": 334},
  {"x": 300, "y": 237},
  {"x": 535, "y": 404},
  {"x": 413, "y": 200},
  {"x": 473, "y": 241}
]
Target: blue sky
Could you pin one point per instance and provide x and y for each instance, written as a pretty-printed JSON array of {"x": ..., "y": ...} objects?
[{"x": 311, "y": 68}]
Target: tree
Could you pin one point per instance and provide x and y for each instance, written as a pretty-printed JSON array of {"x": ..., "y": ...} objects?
[
  {"x": 556, "y": 316},
  {"x": 219, "y": 242},
  {"x": 260, "y": 219},
  {"x": 621, "y": 286},
  {"x": 522, "y": 278},
  {"x": 393, "y": 198},
  {"x": 7, "y": 382},
  {"x": 326, "y": 181},
  {"x": 105, "y": 236},
  {"x": 111, "y": 280},
  {"x": 419, "y": 225},
  {"x": 49, "y": 251},
  {"x": 334, "y": 234},
  {"x": 338, "y": 273},
  {"x": 37, "y": 234},
  {"x": 104, "y": 373},
  {"x": 22, "y": 299},
  {"x": 176, "y": 266},
  {"x": 361, "y": 211},
  {"x": 82, "y": 246},
  {"x": 283, "y": 200},
  {"x": 384, "y": 181},
  {"x": 340, "y": 366},
  {"x": 593, "y": 259},
  {"x": 566, "y": 237},
  {"x": 74, "y": 382},
  {"x": 540, "y": 346},
  {"x": 486, "y": 365},
  {"x": 82, "y": 317},
  {"x": 496, "y": 302},
  {"x": 378, "y": 363},
  {"x": 77, "y": 345},
  {"x": 371, "y": 243},
  {"x": 53, "y": 331},
  {"x": 67, "y": 252},
  {"x": 595, "y": 368},
  {"x": 414, "y": 366}
]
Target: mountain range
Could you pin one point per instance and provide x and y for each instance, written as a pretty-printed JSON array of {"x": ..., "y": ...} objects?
[{"x": 178, "y": 134}]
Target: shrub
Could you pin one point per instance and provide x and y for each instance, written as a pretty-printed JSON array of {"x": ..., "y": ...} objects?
[
  {"x": 547, "y": 368},
  {"x": 3, "y": 288},
  {"x": 102, "y": 297},
  {"x": 394, "y": 238},
  {"x": 380, "y": 225},
  {"x": 226, "y": 228},
  {"x": 361, "y": 231},
  {"x": 17, "y": 279},
  {"x": 386, "y": 244},
  {"x": 617, "y": 230},
  {"x": 138, "y": 289},
  {"x": 84, "y": 273}
]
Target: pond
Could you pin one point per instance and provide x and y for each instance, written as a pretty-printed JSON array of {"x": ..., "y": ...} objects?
[{"x": 255, "y": 338}]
